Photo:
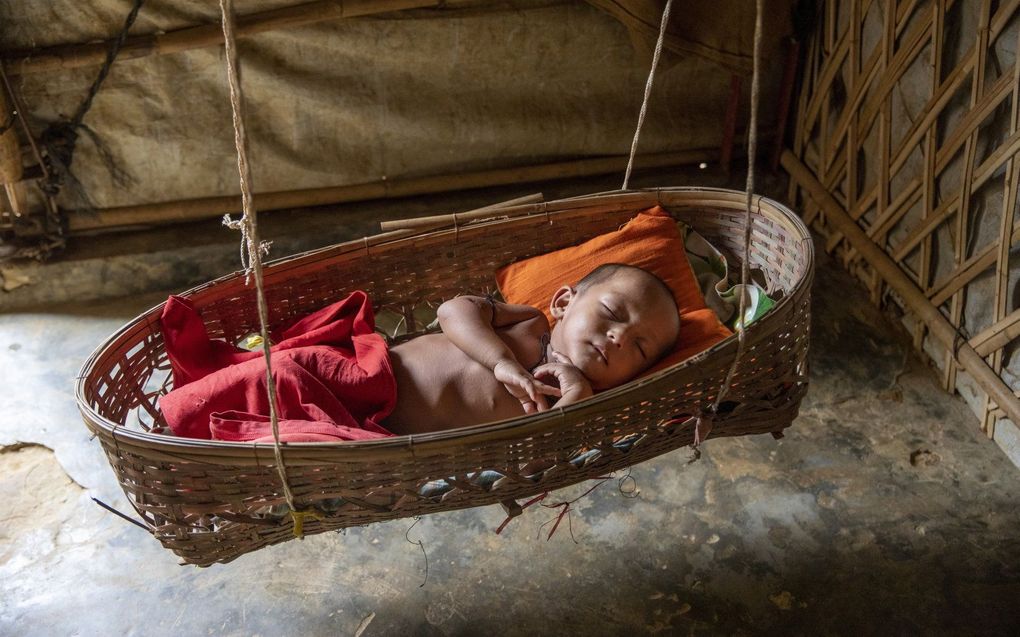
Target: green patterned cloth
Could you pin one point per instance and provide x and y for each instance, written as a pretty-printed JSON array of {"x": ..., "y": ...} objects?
[{"x": 712, "y": 272}]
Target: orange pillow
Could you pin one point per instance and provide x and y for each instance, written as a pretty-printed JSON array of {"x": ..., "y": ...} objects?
[{"x": 650, "y": 241}]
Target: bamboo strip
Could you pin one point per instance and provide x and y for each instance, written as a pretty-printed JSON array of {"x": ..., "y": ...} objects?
[
  {"x": 972, "y": 120},
  {"x": 86, "y": 54},
  {"x": 969, "y": 126},
  {"x": 209, "y": 207},
  {"x": 949, "y": 148},
  {"x": 933, "y": 220},
  {"x": 884, "y": 142},
  {"x": 11, "y": 169},
  {"x": 932, "y": 109},
  {"x": 485, "y": 212},
  {"x": 997, "y": 335},
  {"x": 963, "y": 216},
  {"x": 903, "y": 12},
  {"x": 820, "y": 96},
  {"x": 963, "y": 275},
  {"x": 939, "y": 9},
  {"x": 896, "y": 210},
  {"x": 1002, "y": 17},
  {"x": 983, "y": 173},
  {"x": 17, "y": 196},
  {"x": 893, "y": 71},
  {"x": 1010, "y": 193},
  {"x": 939, "y": 326},
  {"x": 851, "y": 112}
]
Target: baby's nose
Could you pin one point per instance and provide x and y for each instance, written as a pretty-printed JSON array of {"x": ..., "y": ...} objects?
[{"x": 619, "y": 336}]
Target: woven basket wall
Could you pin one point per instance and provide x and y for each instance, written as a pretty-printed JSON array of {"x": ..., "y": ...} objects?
[
  {"x": 206, "y": 500},
  {"x": 909, "y": 116}
]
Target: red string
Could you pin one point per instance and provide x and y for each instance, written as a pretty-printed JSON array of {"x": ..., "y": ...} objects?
[
  {"x": 538, "y": 498},
  {"x": 563, "y": 512}
]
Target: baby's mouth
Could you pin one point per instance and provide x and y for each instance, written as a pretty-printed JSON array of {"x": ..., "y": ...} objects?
[{"x": 601, "y": 353}]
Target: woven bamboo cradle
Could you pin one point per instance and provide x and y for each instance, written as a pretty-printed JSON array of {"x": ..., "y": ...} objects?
[{"x": 206, "y": 500}]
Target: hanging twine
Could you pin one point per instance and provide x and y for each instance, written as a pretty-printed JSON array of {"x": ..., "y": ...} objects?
[
  {"x": 648, "y": 92},
  {"x": 752, "y": 149},
  {"x": 252, "y": 248},
  {"x": 703, "y": 423}
]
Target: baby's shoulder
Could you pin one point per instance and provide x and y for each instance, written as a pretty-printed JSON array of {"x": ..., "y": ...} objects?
[{"x": 536, "y": 325}]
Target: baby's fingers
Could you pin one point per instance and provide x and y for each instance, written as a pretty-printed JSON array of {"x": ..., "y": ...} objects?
[
  {"x": 548, "y": 390},
  {"x": 541, "y": 404},
  {"x": 549, "y": 370}
]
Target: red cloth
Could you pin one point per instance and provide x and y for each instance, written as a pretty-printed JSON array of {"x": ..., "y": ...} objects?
[{"x": 333, "y": 378}]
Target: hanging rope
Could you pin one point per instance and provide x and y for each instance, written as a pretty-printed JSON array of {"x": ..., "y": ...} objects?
[
  {"x": 648, "y": 92},
  {"x": 703, "y": 424},
  {"x": 248, "y": 225},
  {"x": 702, "y": 430}
]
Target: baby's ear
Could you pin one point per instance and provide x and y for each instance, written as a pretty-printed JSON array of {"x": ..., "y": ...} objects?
[{"x": 560, "y": 300}]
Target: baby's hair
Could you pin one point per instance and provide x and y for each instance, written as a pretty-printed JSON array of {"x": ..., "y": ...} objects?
[{"x": 608, "y": 270}]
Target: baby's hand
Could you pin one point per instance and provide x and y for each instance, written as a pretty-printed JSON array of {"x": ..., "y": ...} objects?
[
  {"x": 574, "y": 386},
  {"x": 523, "y": 386}
]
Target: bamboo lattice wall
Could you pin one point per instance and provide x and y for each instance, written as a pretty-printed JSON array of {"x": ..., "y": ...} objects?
[{"x": 908, "y": 118}]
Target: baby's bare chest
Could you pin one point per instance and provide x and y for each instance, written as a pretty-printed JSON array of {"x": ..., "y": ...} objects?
[{"x": 444, "y": 387}]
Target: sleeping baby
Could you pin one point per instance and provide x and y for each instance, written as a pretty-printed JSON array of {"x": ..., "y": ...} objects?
[{"x": 337, "y": 380}]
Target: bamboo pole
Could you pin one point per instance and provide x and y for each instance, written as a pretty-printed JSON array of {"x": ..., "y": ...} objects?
[
  {"x": 425, "y": 223},
  {"x": 86, "y": 54},
  {"x": 918, "y": 303},
  {"x": 11, "y": 170},
  {"x": 208, "y": 207}
]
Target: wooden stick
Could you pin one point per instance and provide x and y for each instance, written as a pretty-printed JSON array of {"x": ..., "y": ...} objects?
[
  {"x": 997, "y": 335},
  {"x": 207, "y": 207},
  {"x": 940, "y": 328},
  {"x": 11, "y": 170},
  {"x": 435, "y": 221},
  {"x": 77, "y": 55}
]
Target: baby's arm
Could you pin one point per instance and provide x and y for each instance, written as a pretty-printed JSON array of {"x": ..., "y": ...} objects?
[{"x": 470, "y": 322}]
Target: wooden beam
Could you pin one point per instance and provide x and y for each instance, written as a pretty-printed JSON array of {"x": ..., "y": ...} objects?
[
  {"x": 87, "y": 54},
  {"x": 11, "y": 170},
  {"x": 209, "y": 207},
  {"x": 938, "y": 325}
]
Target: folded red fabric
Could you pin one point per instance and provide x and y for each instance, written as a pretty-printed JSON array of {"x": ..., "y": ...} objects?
[{"x": 333, "y": 375}]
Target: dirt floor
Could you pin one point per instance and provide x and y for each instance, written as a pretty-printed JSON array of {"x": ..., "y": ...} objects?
[{"x": 883, "y": 511}]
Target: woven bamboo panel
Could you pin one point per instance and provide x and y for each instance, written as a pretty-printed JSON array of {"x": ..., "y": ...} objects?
[
  {"x": 908, "y": 115},
  {"x": 208, "y": 500}
]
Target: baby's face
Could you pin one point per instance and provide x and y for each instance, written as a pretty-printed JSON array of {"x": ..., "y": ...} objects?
[{"x": 614, "y": 329}]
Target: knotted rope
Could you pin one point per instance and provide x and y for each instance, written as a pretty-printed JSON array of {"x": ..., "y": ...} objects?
[{"x": 251, "y": 246}]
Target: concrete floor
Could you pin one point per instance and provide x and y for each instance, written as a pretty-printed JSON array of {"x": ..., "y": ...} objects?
[{"x": 883, "y": 511}]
